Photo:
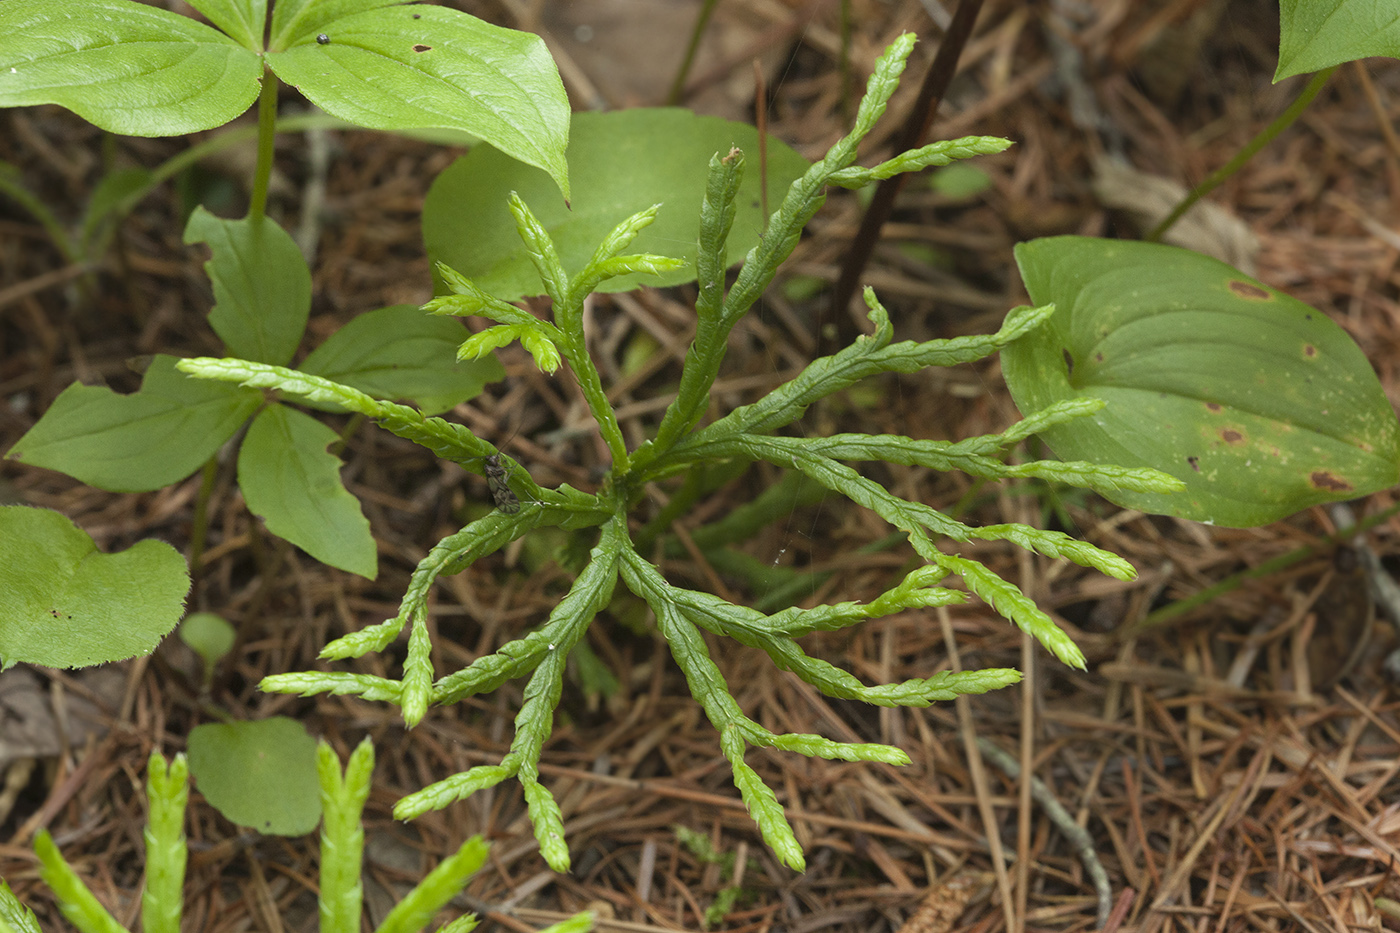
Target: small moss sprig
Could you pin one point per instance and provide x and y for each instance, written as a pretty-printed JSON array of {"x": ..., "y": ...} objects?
[
  {"x": 682, "y": 448},
  {"x": 343, "y": 797}
]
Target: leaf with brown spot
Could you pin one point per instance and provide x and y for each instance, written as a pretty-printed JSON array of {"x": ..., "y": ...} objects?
[{"x": 1276, "y": 405}]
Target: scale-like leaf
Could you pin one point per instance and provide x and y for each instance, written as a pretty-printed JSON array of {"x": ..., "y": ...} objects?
[{"x": 1260, "y": 404}]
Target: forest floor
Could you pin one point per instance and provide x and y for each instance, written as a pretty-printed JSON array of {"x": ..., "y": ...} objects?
[{"x": 1230, "y": 770}]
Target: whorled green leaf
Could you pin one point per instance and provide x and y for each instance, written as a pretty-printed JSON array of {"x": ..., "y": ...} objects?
[
  {"x": 127, "y": 67},
  {"x": 421, "y": 66},
  {"x": 401, "y": 353},
  {"x": 242, "y": 19},
  {"x": 262, "y": 286},
  {"x": 291, "y": 482},
  {"x": 1259, "y": 404},
  {"x": 1317, "y": 34},
  {"x": 151, "y": 438},
  {"x": 64, "y": 603},
  {"x": 622, "y": 162},
  {"x": 258, "y": 774}
]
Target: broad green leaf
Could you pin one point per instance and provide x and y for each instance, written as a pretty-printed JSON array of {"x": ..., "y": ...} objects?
[
  {"x": 64, "y": 603},
  {"x": 127, "y": 67},
  {"x": 1317, "y": 34},
  {"x": 262, "y": 286},
  {"x": 420, "y": 67},
  {"x": 401, "y": 352},
  {"x": 292, "y": 18},
  {"x": 151, "y": 438},
  {"x": 242, "y": 19},
  {"x": 1260, "y": 404},
  {"x": 622, "y": 162},
  {"x": 258, "y": 774},
  {"x": 291, "y": 481}
]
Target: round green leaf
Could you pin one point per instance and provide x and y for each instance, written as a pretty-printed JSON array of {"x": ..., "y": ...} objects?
[
  {"x": 419, "y": 67},
  {"x": 1259, "y": 403},
  {"x": 258, "y": 774},
  {"x": 63, "y": 603},
  {"x": 126, "y": 67},
  {"x": 210, "y": 636},
  {"x": 622, "y": 162}
]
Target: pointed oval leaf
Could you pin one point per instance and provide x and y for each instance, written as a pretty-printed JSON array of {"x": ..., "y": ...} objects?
[
  {"x": 126, "y": 67},
  {"x": 1317, "y": 34},
  {"x": 262, "y": 287},
  {"x": 64, "y": 603},
  {"x": 291, "y": 482},
  {"x": 402, "y": 352},
  {"x": 623, "y": 162},
  {"x": 258, "y": 774},
  {"x": 1260, "y": 404},
  {"x": 419, "y": 67},
  {"x": 151, "y": 438}
]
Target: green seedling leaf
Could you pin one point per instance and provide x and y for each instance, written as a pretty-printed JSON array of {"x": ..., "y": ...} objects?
[
  {"x": 466, "y": 223},
  {"x": 291, "y": 482},
  {"x": 1317, "y": 34},
  {"x": 127, "y": 67},
  {"x": 63, "y": 603},
  {"x": 422, "y": 67},
  {"x": 401, "y": 353},
  {"x": 258, "y": 774},
  {"x": 210, "y": 637},
  {"x": 1259, "y": 404},
  {"x": 262, "y": 287},
  {"x": 151, "y": 438}
]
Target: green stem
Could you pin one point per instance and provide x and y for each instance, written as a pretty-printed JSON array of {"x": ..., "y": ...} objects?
[
  {"x": 199, "y": 528},
  {"x": 11, "y": 185},
  {"x": 1182, "y": 606},
  {"x": 1261, "y": 139},
  {"x": 673, "y": 96},
  {"x": 267, "y": 135},
  {"x": 596, "y": 396}
]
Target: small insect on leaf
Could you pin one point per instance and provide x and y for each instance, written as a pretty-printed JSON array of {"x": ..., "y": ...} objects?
[
  {"x": 323, "y": 39},
  {"x": 496, "y": 472}
]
